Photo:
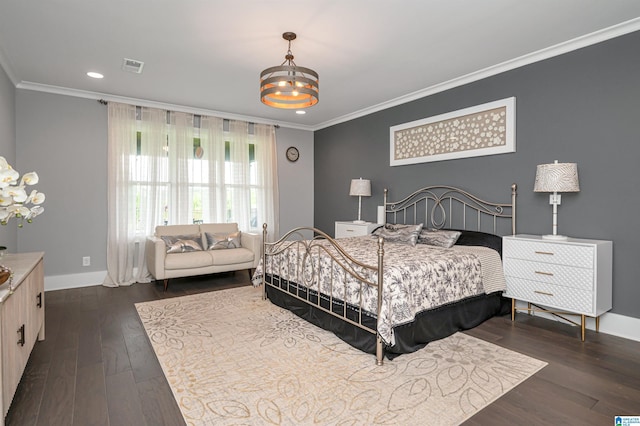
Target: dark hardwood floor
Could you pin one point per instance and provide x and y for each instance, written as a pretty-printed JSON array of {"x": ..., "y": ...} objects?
[{"x": 97, "y": 367}]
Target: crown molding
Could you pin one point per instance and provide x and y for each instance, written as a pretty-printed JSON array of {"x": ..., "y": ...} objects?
[
  {"x": 540, "y": 55},
  {"x": 58, "y": 90}
]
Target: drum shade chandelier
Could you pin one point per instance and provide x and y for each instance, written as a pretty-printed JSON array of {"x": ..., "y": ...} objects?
[{"x": 287, "y": 85}]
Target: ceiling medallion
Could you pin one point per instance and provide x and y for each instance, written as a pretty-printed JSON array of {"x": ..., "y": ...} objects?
[{"x": 287, "y": 85}]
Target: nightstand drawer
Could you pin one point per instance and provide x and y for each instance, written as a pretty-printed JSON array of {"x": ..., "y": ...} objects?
[
  {"x": 350, "y": 229},
  {"x": 561, "y": 254},
  {"x": 557, "y": 297},
  {"x": 550, "y": 273}
]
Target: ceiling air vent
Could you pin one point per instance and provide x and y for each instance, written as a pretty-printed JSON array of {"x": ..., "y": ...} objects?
[{"x": 131, "y": 65}]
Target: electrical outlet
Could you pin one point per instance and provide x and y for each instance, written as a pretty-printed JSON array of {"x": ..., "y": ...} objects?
[{"x": 86, "y": 261}]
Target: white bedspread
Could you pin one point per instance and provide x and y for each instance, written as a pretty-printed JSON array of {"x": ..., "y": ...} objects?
[{"x": 415, "y": 279}]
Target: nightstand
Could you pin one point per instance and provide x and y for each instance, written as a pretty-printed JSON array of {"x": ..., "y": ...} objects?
[
  {"x": 572, "y": 276},
  {"x": 350, "y": 229}
]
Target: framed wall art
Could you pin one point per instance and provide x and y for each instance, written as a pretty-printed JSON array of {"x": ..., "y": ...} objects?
[{"x": 485, "y": 129}]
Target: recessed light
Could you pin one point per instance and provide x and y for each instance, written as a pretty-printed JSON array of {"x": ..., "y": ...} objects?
[
  {"x": 94, "y": 74},
  {"x": 301, "y": 112}
]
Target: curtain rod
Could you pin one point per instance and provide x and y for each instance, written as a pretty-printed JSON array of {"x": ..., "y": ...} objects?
[{"x": 103, "y": 102}]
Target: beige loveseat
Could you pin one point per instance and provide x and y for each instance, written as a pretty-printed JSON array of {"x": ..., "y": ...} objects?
[{"x": 173, "y": 251}]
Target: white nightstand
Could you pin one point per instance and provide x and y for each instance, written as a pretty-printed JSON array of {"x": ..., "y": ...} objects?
[
  {"x": 573, "y": 276},
  {"x": 350, "y": 229}
]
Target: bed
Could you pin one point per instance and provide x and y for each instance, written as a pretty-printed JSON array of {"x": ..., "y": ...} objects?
[{"x": 430, "y": 288}]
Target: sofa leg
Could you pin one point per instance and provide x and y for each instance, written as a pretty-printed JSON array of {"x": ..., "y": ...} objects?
[
  {"x": 166, "y": 283},
  {"x": 250, "y": 273}
]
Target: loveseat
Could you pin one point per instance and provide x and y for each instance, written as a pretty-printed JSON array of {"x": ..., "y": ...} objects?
[{"x": 176, "y": 251}]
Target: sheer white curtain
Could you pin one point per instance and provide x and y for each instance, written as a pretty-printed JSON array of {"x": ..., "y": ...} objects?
[
  {"x": 181, "y": 156},
  {"x": 135, "y": 158},
  {"x": 266, "y": 179},
  {"x": 176, "y": 168},
  {"x": 237, "y": 175},
  {"x": 212, "y": 139}
]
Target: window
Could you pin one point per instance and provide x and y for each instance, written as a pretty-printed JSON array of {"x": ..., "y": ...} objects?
[
  {"x": 177, "y": 168},
  {"x": 151, "y": 178}
]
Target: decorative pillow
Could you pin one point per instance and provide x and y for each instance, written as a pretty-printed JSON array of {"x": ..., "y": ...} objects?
[
  {"x": 220, "y": 241},
  {"x": 476, "y": 238},
  {"x": 438, "y": 237},
  {"x": 398, "y": 233},
  {"x": 182, "y": 243}
]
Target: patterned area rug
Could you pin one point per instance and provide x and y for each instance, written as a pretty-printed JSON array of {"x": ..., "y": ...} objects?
[{"x": 232, "y": 358}]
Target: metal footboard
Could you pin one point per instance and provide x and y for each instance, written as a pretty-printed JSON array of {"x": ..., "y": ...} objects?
[{"x": 302, "y": 279}]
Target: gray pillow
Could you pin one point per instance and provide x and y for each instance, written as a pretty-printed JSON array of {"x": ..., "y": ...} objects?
[
  {"x": 398, "y": 233},
  {"x": 438, "y": 237},
  {"x": 182, "y": 243},
  {"x": 220, "y": 241}
]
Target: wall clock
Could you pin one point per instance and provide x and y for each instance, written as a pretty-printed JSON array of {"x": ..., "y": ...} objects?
[{"x": 293, "y": 154}]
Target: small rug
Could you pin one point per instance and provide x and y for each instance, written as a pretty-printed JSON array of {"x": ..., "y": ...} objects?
[{"x": 232, "y": 358}]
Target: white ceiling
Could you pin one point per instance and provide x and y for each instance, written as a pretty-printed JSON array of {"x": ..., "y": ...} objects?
[{"x": 206, "y": 55}]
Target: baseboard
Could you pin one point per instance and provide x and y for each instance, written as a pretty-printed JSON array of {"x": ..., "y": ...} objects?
[
  {"x": 610, "y": 323},
  {"x": 61, "y": 282}
]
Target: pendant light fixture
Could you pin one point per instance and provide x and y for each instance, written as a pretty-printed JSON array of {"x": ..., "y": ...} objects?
[{"x": 289, "y": 86}]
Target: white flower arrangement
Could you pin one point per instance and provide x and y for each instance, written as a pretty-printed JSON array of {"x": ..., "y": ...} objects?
[{"x": 14, "y": 198}]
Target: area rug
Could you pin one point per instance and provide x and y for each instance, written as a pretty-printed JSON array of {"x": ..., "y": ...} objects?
[{"x": 232, "y": 358}]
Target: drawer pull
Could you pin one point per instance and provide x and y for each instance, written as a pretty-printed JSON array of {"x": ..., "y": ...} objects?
[
  {"x": 349, "y": 230},
  {"x": 545, "y": 273},
  {"x": 543, "y": 293},
  {"x": 39, "y": 299},
  {"x": 21, "y": 340},
  {"x": 545, "y": 252}
]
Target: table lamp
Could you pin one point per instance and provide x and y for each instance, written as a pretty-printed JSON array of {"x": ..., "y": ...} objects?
[
  {"x": 360, "y": 188},
  {"x": 554, "y": 178}
]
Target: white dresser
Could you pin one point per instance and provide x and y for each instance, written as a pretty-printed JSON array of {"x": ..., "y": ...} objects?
[
  {"x": 21, "y": 320},
  {"x": 572, "y": 276},
  {"x": 350, "y": 229}
]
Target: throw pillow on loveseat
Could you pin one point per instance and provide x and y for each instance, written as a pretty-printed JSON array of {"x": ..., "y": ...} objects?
[{"x": 171, "y": 252}]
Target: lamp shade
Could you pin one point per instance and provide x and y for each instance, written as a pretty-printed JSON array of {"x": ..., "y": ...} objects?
[
  {"x": 557, "y": 177},
  {"x": 360, "y": 187}
]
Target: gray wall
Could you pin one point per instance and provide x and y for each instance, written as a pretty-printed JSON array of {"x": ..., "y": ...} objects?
[
  {"x": 295, "y": 180},
  {"x": 583, "y": 107},
  {"x": 64, "y": 139},
  {"x": 8, "y": 234}
]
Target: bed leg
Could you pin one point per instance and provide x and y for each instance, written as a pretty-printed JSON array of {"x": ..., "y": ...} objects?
[{"x": 379, "y": 351}]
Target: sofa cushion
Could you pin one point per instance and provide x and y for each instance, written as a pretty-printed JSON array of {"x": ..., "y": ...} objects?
[
  {"x": 182, "y": 243},
  {"x": 222, "y": 240},
  {"x": 194, "y": 259},
  {"x": 231, "y": 256},
  {"x": 162, "y": 230},
  {"x": 219, "y": 228}
]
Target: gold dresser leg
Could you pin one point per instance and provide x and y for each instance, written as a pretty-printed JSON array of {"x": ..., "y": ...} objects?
[
  {"x": 597, "y": 324},
  {"x": 513, "y": 309},
  {"x": 582, "y": 326}
]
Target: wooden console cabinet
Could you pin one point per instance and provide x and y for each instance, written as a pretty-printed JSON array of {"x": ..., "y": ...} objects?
[{"x": 21, "y": 320}]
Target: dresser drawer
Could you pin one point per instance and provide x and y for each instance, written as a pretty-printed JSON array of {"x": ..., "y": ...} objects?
[
  {"x": 561, "y": 254},
  {"x": 563, "y": 298},
  {"x": 550, "y": 273}
]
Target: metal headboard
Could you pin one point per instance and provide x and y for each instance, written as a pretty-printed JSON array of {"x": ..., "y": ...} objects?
[{"x": 449, "y": 207}]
